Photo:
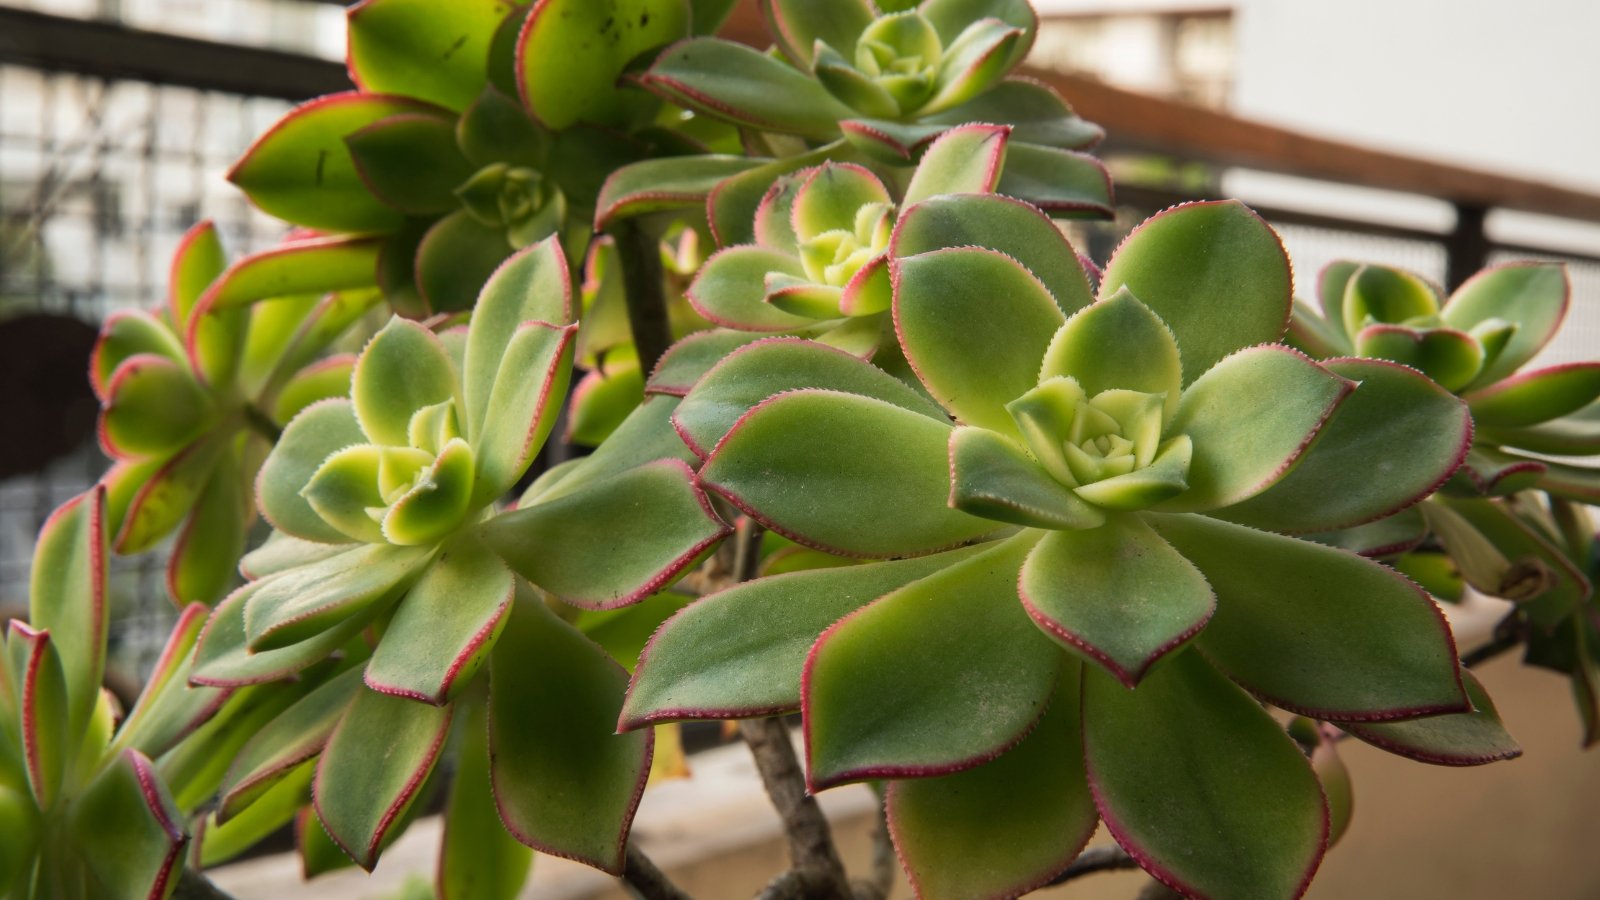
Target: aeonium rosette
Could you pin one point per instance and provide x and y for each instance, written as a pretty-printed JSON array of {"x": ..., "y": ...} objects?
[
  {"x": 386, "y": 525},
  {"x": 819, "y": 263},
  {"x": 1059, "y": 632},
  {"x": 1478, "y": 343},
  {"x": 194, "y": 393}
]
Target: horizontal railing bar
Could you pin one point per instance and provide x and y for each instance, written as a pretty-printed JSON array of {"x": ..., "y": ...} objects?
[{"x": 108, "y": 50}]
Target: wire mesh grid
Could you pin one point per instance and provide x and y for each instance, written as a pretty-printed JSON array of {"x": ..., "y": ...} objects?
[{"x": 98, "y": 181}]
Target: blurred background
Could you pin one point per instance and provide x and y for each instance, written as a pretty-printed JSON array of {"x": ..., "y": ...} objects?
[{"x": 1440, "y": 135}]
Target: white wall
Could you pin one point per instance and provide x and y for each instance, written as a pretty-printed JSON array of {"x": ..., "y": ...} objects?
[{"x": 1507, "y": 86}]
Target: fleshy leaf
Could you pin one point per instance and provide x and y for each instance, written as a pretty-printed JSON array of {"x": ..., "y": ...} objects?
[
  {"x": 201, "y": 568},
  {"x": 153, "y": 405},
  {"x": 444, "y": 628},
  {"x": 1318, "y": 630},
  {"x": 1200, "y": 785},
  {"x": 1532, "y": 296},
  {"x": 1117, "y": 343},
  {"x": 1035, "y": 112},
  {"x": 401, "y": 370},
  {"x": 682, "y": 366},
  {"x": 731, "y": 289},
  {"x": 657, "y": 185},
  {"x": 613, "y": 542},
  {"x": 477, "y": 857},
  {"x": 532, "y": 286},
  {"x": 346, "y": 487},
  {"x": 738, "y": 84},
  {"x": 169, "y": 708},
  {"x": 196, "y": 263},
  {"x": 753, "y": 373},
  {"x": 831, "y": 195},
  {"x": 1450, "y": 357},
  {"x": 1002, "y": 224},
  {"x": 797, "y": 25},
  {"x": 126, "y": 333},
  {"x": 974, "y": 325},
  {"x": 1577, "y": 434},
  {"x": 571, "y": 53},
  {"x": 1252, "y": 417},
  {"x": 161, "y": 495},
  {"x": 129, "y": 832},
  {"x": 952, "y": 17},
  {"x": 1383, "y": 294},
  {"x": 454, "y": 259},
  {"x": 740, "y": 652},
  {"x": 67, "y": 597},
  {"x": 1067, "y": 184},
  {"x": 419, "y": 49},
  {"x": 276, "y": 808},
  {"x": 40, "y": 691},
  {"x": 859, "y": 476},
  {"x": 964, "y": 160},
  {"x": 936, "y": 677},
  {"x": 992, "y": 476},
  {"x": 1405, "y": 435},
  {"x": 1535, "y": 572},
  {"x": 439, "y": 503},
  {"x": 320, "y": 430},
  {"x": 1006, "y": 827},
  {"x": 564, "y": 781},
  {"x": 1531, "y": 398},
  {"x": 295, "y": 736},
  {"x": 527, "y": 395},
  {"x": 305, "y": 601},
  {"x": 1118, "y": 595},
  {"x": 301, "y": 171},
  {"x": 410, "y": 162},
  {"x": 1214, "y": 272},
  {"x": 372, "y": 767},
  {"x": 1462, "y": 739},
  {"x": 310, "y": 266}
]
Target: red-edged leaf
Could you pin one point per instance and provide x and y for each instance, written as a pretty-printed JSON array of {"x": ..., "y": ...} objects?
[
  {"x": 67, "y": 597},
  {"x": 443, "y": 630},
  {"x": 128, "y": 831},
  {"x": 1118, "y": 595},
  {"x": 42, "y": 694},
  {"x": 1460, "y": 739},
  {"x": 419, "y": 49},
  {"x": 1530, "y": 398},
  {"x": 477, "y": 857},
  {"x": 1318, "y": 630},
  {"x": 375, "y": 761},
  {"x": 1200, "y": 785},
  {"x": 936, "y": 677},
  {"x": 291, "y": 739},
  {"x": 740, "y": 652},
  {"x": 1532, "y": 295},
  {"x": 564, "y": 781},
  {"x": 170, "y": 708},
  {"x": 196, "y": 263},
  {"x": 1007, "y": 827}
]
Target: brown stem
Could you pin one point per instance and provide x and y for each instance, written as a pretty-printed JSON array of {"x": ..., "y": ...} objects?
[
  {"x": 647, "y": 880},
  {"x": 883, "y": 863},
  {"x": 261, "y": 423},
  {"x": 640, "y": 254},
  {"x": 1109, "y": 858},
  {"x": 818, "y": 871}
]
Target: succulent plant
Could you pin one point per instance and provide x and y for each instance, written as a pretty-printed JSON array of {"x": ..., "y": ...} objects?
[
  {"x": 193, "y": 394},
  {"x": 1477, "y": 343},
  {"x": 502, "y": 144},
  {"x": 888, "y": 80},
  {"x": 95, "y": 802},
  {"x": 1096, "y": 440},
  {"x": 819, "y": 264},
  {"x": 383, "y": 505}
]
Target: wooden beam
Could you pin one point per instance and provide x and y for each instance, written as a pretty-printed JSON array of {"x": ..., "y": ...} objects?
[{"x": 107, "y": 50}]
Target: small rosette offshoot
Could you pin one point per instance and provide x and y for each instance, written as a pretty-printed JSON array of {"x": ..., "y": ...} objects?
[{"x": 193, "y": 393}]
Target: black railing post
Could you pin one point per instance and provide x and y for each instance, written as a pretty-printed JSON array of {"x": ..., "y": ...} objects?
[{"x": 1467, "y": 247}]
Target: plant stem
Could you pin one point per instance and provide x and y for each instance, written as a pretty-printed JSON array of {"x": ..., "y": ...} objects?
[
  {"x": 1155, "y": 890},
  {"x": 818, "y": 871},
  {"x": 261, "y": 423},
  {"x": 1110, "y": 858},
  {"x": 883, "y": 864},
  {"x": 193, "y": 885},
  {"x": 640, "y": 253},
  {"x": 811, "y": 849},
  {"x": 647, "y": 879},
  {"x": 1507, "y": 637}
]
